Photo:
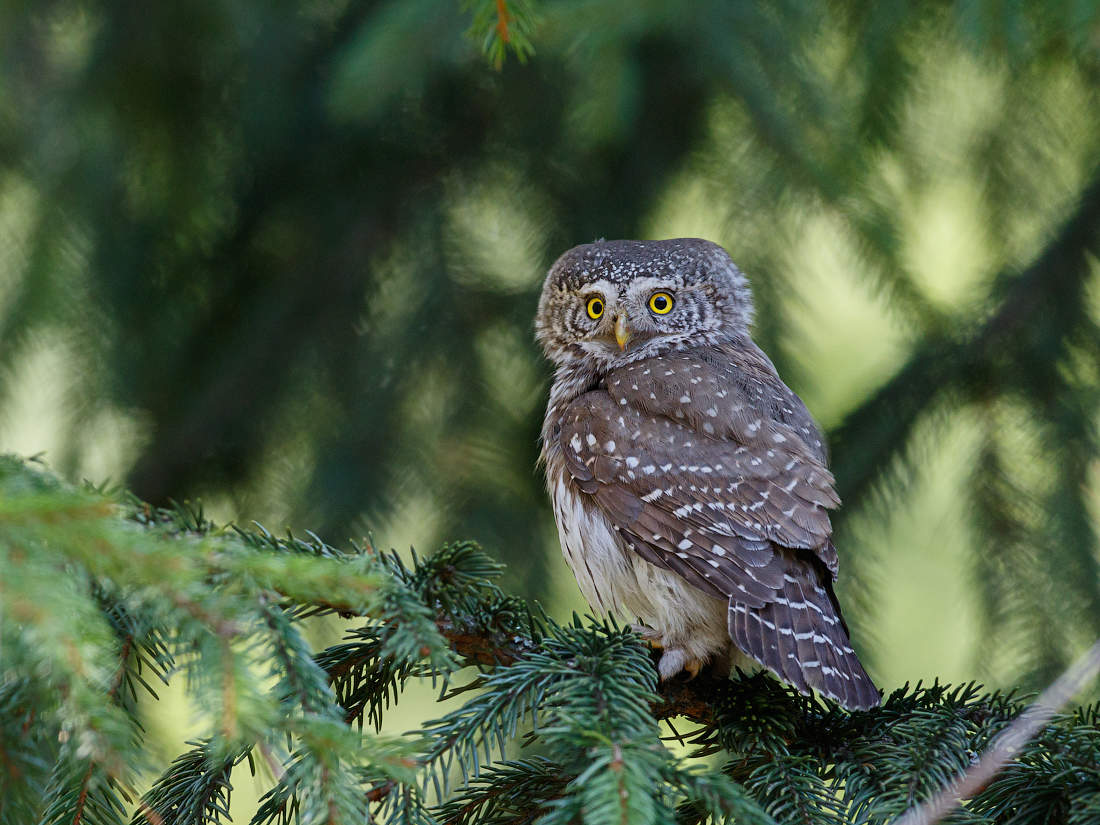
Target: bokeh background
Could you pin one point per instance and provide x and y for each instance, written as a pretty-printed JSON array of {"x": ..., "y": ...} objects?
[{"x": 284, "y": 257}]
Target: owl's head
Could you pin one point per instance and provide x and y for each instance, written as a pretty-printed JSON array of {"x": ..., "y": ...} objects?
[{"x": 612, "y": 302}]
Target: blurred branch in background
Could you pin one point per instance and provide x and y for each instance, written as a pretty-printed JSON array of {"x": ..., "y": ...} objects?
[
  {"x": 286, "y": 258},
  {"x": 1007, "y": 745},
  {"x": 502, "y": 26}
]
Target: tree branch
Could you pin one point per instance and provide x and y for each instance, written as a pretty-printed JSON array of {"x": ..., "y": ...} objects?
[
  {"x": 868, "y": 438},
  {"x": 697, "y": 698},
  {"x": 1008, "y": 743},
  {"x": 692, "y": 699}
]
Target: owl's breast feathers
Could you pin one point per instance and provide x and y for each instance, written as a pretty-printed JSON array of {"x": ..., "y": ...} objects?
[{"x": 707, "y": 465}]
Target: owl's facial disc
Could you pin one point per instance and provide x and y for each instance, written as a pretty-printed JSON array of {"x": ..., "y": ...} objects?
[
  {"x": 610, "y": 303},
  {"x": 623, "y": 320}
]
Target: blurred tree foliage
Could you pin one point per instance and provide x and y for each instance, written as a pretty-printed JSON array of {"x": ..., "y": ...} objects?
[{"x": 297, "y": 245}]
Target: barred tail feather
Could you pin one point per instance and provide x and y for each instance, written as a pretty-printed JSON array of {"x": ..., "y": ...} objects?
[{"x": 801, "y": 637}]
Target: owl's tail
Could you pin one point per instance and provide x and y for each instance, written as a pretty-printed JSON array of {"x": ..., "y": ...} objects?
[{"x": 802, "y": 638}]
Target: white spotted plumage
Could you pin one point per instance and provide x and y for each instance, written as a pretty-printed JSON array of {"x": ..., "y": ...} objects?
[{"x": 689, "y": 484}]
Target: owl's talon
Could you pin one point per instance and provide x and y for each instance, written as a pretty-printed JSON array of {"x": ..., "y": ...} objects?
[
  {"x": 650, "y": 636},
  {"x": 671, "y": 663},
  {"x": 675, "y": 660}
]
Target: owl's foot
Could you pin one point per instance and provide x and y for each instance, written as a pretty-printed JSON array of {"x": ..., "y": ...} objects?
[
  {"x": 673, "y": 659},
  {"x": 651, "y": 637},
  {"x": 676, "y": 659}
]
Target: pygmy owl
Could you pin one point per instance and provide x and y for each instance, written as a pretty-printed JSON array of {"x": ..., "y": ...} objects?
[{"x": 689, "y": 483}]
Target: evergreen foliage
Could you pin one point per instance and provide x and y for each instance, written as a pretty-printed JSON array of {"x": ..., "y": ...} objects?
[
  {"x": 328, "y": 220},
  {"x": 502, "y": 26},
  {"x": 102, "y": 597},
  {"x": 294, "y": 249}
]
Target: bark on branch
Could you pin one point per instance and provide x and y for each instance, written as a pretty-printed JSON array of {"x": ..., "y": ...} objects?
[{"x": 679, "y": 697}]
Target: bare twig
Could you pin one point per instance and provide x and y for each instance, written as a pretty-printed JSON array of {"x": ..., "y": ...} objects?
[{"x": 1008, "y": 743}]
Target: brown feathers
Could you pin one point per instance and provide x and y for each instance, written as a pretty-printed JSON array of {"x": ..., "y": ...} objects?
[{"x": 699, "y": 460}]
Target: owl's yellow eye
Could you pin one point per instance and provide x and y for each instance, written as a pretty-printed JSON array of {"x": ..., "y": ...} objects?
[
  {"x": 660, "y": 303},
  {"x": 595, "y": 308}
]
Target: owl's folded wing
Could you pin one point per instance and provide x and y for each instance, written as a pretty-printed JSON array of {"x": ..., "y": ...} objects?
[{"x": 709, "y": 509}]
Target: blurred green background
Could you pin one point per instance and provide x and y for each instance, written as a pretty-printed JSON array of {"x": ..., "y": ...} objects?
[{"x": 283, "y": 258}]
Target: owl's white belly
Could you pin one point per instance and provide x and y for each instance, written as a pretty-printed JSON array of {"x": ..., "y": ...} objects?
[{"x": 614, "y": 579}]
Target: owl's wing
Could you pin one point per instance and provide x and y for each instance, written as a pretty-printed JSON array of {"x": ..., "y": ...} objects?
[
  {"x": 732, "y": 404},
  {"x": 738, "y": 508},
  {"x": 709, "y": 510}
]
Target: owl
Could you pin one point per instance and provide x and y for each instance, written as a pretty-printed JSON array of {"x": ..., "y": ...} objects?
[{"x": 689, "y": 484}]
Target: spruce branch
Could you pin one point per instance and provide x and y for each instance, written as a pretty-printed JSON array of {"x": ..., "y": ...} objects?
[
  {"x": 91, "y": 778},
  {"x": 584, "y": 694},
  {"x": 884, "y": 759},
  {"x": 501, "y": 26},
  {"x": 195, "y": 789},
  {"x": 485, "y": 647},
  {"x": 1008, "y": 744},
  {"x": 27, "y": 743}
]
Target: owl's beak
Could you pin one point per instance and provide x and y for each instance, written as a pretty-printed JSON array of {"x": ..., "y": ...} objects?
[{"x": 622, "y": 332}]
